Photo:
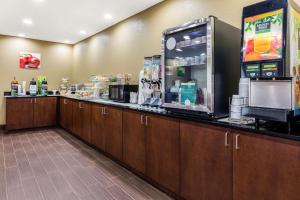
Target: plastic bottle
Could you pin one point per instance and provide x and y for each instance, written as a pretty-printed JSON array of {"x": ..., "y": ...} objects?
[
  {"x": 33, "y": 88},
  {"x": 44, "y": 88},
  {"x": 14, "y": 87}
]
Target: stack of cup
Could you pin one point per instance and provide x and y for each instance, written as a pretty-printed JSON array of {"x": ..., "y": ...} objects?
[
  {"x": 236, "y": 107},
  {"x": 244, "y": 90}
]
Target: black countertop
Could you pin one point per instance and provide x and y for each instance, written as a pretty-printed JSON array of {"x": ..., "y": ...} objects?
[{"x": 274, "y": 129}]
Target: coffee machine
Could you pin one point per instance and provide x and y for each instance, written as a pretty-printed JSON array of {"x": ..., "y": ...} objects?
[{"x": 270, "y": 58}]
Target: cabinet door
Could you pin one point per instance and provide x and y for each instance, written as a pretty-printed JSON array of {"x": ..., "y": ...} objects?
[
  {"x": 266, "y": 168},
  {"x": 162, "y": 151},
  {"x": 62, "y": 113},
  {"x": 82, "y": 120},
  {"x": 85, "y": 121},
  {"x": 66, "y": 112},
  {"x": 19, "y": 113},
  {"x": 206, "y": 162},
  {"x": 134, "y": 147},
  {"x": 76, "y": 119},
  {"x": 113, "y": 132},
  {"x": 45, "y": 111},
  {"x": 97, "y": 127}
]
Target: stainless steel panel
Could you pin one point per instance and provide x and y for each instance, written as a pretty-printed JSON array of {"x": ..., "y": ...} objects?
[
  {"x": 271, "y": 94},
  {"x": 199, "y": 108},
  {"x": 210, "y": 65},
  {"x": 187, "y": 25}
]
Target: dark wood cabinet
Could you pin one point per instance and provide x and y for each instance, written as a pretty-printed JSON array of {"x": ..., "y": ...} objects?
[
  {"x": 113, "y": 131},
  {"x": 22, "y": 113},
  {"x": 97, "y": 127},
  {"x": 45, "y": 111},
  {"x": 265, "y": 168},
  {"x": 82, "y": 120},
  {"x": 206, "y": 162},
  {"x": 19, "y": 113},
  {"x": 162, "y": 151},
  {"x": 134, "y": 146},
  {"x": 192, "y": 160},
  {"x": 66, "y": 113},
  {"x": 76, "y": 128},
  {"x": 106, "y": 129}
]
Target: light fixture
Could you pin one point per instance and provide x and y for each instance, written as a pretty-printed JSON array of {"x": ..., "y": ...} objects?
[
  {"x": 27, "y": 21},
  {"x": 83, "y": 32},
  {"x": 66, "y": 41},
  {"x": 178, "y": 50},
  {"x": 21, "y": 35},
  {"x": 38, "y": 1},
  {"x": 107, "y": 16}
]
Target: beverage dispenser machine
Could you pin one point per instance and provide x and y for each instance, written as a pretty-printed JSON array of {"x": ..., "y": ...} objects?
[
  {"x": 200, "y": 67},
  {"x": 270, "y": 57}
]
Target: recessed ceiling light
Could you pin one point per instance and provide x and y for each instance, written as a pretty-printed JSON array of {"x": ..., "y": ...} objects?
[
  {"x": 83, "y": 32},
  {"x": 107, "y": 16},
  {"x": 66, "y": 41},
  {"x": 21, "y": 35},
  {"x": 39, "y": 1},
  {"x": 27, "y": 21}
]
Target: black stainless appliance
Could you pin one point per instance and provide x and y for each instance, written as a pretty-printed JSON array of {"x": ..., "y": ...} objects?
[
  {"x": 121, "y": 93},
  {"x": 201, "y": 67}
]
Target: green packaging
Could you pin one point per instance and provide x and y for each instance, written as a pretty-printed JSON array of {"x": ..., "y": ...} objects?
[
  {"x": 188, "y": 93},
  {"x": 40, "y": 80}
]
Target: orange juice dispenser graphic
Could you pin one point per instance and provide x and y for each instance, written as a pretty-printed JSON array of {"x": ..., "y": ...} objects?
[{"x": 270, "y": 57}]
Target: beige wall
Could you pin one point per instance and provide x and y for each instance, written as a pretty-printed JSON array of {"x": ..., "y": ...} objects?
[
  {"x": 122, "y": 47},
  {"x": 56, "y": 63},
  {"x": 118, "y": 49}
]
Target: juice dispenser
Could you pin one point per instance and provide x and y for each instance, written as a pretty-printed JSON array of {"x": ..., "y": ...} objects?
[{"x": 270, "y": 57}]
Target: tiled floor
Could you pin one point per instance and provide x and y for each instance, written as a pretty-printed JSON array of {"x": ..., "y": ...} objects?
[{"x": 51, "y": 164}]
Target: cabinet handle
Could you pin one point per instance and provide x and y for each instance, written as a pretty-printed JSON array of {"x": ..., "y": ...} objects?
[
  {"x": 65, "y": 101},
  {"x": 104, "y": 111},
  {"x": 146, "y": 121},
  {"x": 226, "y": 139},
  {"x": 35, "y": 100},
  {"x": 237, "y": 147},
  {"x": 31, "y": 100},
  {"x": 80, "y": 105},
  {"x": 142, "y": 119}
]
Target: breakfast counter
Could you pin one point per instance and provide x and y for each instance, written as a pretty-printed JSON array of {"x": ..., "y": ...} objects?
[
  {"x": 166, "y": 149},
  {"x": 175, "y": 152},
  {"x": 270, "y": 129}
]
